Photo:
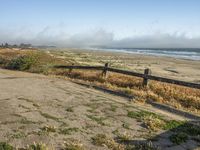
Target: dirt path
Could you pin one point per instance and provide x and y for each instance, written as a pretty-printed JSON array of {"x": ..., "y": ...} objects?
[{"x": 43, "y": 109}]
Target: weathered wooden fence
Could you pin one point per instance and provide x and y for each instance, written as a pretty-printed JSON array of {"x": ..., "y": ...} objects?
[{"x": 146, "y": 76}]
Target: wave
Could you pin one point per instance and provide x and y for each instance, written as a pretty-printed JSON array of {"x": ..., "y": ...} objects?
[{"x": 191, "y": 54}]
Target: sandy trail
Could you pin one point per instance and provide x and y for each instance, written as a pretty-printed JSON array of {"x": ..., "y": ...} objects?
[{"x": 29, "y": 102}]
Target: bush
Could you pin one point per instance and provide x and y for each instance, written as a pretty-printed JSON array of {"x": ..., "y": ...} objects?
[
  {"x": 179, "y": 138},
  {"x": 22, "y": 62},
  {"x": 2, "y": 61},
  {"x": 5, "y": 146}
]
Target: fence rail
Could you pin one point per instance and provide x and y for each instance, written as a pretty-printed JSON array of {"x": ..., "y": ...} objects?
[{"x": 146, "y": 76}]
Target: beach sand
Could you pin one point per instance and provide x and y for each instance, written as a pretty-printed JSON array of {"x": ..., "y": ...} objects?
[{"x": 175, "y": 68}]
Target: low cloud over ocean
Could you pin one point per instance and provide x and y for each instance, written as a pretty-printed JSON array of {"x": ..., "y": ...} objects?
[{"x": 98, "y": 37}]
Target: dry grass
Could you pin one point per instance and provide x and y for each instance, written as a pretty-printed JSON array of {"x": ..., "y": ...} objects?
[
  {"x": 38, "y": 61},
  {"x": 177, "y": 96},
  {"x": 73, "y": 144},
  {"x": 105, "y": 141}
]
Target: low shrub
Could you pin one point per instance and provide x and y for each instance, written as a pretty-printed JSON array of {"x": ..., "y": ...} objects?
[
  {"x": 2, "y": 61},
  {"x": 5, "y": 146},
  {"x": 22, "y": 63},
  {"x": 179, "y": 138}
]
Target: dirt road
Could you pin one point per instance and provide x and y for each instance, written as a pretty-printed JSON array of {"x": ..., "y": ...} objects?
[{"x": 45, "y": 109}]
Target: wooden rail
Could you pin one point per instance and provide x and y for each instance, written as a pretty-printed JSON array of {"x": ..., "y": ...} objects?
[{"x": 146, "y": 76}]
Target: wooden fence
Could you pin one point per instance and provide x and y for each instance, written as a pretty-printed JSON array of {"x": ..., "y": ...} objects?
[{"x": 146, "y": 76}]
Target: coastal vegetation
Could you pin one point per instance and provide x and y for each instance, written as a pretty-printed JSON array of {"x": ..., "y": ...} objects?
[
  {"x": 35, "y": 61},
  {"x": 73, "y": 117}
]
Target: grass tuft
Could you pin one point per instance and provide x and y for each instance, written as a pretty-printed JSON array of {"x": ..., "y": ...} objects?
[
  {"x": 103, "y": 140},
  {"x": 5, "y": 146},
  {"x": 73, "y": 144},
  {"x": 37, "y": 146}
]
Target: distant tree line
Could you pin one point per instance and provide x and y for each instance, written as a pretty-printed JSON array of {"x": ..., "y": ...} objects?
[{"x": 22, "y": 45}]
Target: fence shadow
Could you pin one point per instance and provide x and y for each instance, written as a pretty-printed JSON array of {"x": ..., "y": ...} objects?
[
  {"x": 170, "y": 109},
  {"x": 184, "y": 137}
]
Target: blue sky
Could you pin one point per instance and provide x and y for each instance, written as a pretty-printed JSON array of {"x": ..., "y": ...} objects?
[{"x": 100, "y": 22}]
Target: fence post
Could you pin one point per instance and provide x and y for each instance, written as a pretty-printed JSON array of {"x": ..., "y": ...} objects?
[
  {"x": 104, "y": 73},
  {"x": 145, "y": 79},
  {"x": 70, "y": 70}
]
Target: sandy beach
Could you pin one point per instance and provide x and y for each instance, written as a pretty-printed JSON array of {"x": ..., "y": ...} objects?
[{"x": 175, "y": 68}]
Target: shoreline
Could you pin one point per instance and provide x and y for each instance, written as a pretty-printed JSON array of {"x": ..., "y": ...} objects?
[
  {"x": 113, "y": 51},
  {"x": 164, "y": 66},
  {"x": 174, "y": 54}
]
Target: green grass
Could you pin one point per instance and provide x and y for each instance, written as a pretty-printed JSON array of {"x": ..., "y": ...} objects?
[
  {"x": 188, "y": 128},
  {"x": 140, "y": 115},
  {"x": 172, "y": 124},
  {"x": 184, "y": 132},
  {"x": 154, "y": 121},
  {"x": 178, "y": 138},
  {"x": 5, "y": 146}
]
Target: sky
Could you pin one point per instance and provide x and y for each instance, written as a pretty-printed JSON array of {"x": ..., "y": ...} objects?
[{"x": 110, "y": 23}]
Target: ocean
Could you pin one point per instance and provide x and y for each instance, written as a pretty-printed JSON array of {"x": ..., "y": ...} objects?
[{"x": 190, "y": 54}]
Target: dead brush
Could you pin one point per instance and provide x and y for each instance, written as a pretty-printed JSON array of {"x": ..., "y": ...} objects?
[
  {"x": 187, "y": 97},
  {"x": 153, "y": 123},
  {"x": 177, "y": 96},
  {"x": 124, "y": 81},
  {"x": 103, "y": 140},
  {"x": 73, "y": 144},
  {"x": 91, "y": 76},
  {"x": 124, "y": 137},
  {"x": 174, "y": 95}
]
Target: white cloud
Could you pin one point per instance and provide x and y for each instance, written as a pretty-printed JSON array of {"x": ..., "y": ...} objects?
[{"x": 100, "y": 37}]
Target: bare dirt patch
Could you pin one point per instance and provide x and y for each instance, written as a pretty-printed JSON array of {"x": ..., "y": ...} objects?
[{"x": 53, "y": 111}]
